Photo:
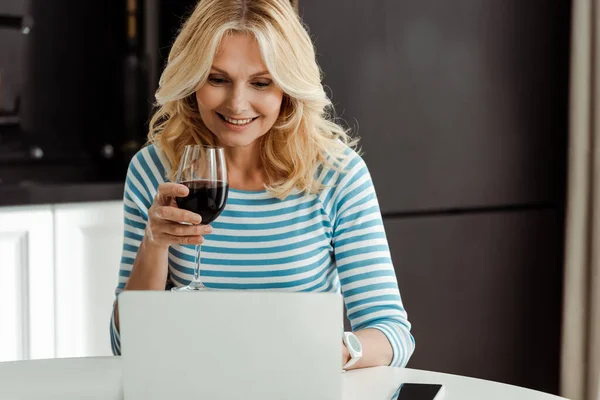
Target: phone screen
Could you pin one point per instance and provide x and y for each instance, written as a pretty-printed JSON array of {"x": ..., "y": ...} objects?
[{"x": 419, "y": 391}]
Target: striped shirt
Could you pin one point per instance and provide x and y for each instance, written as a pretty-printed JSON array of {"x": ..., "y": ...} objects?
[{"x": 332, "y": 241}]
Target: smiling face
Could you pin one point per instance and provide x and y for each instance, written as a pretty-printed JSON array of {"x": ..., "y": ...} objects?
[{"x": 239, "y": 102}]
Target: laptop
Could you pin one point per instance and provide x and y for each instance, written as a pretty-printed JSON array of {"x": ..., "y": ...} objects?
[{"x": 220, "y": 344}]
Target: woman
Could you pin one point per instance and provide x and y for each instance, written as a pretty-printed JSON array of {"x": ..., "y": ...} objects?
[{"x": 302, "y": 212}]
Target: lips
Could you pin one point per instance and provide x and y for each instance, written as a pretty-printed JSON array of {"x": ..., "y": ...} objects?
[{"x": 237, "y": 121}]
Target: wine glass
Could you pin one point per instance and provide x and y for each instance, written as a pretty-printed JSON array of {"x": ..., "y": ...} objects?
[{"x": 203, "y": 170}]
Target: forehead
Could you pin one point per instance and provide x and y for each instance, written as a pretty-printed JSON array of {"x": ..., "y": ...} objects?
[{"x": 239, "y": 54}]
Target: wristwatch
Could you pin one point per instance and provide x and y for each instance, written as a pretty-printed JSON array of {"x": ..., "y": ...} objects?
[{"x": 354, "y": 348}]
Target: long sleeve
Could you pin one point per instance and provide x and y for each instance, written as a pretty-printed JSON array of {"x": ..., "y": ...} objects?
[
  {"x": 367, "y": 277},
  {"x": 141, "y": 183}
]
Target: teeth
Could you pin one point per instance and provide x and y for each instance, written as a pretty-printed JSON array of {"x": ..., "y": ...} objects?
[{"x": 237, "y": 121}]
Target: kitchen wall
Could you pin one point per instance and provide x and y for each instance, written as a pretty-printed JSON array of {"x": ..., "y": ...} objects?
[{"x": 462, "y": 110}]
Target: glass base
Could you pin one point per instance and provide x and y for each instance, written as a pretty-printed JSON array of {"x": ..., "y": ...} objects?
[{"x": 194, "y": 286}]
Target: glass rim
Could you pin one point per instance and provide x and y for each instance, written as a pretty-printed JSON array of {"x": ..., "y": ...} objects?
[{"x": 205, "y": 146}]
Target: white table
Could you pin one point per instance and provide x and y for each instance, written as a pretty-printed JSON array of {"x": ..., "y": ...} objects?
[{"x": 100, "y": 378}]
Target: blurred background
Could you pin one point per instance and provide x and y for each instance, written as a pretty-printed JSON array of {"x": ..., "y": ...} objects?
[{"x": 463, "y": 110}]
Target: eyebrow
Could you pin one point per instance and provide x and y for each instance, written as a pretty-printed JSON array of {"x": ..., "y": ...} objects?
[{"x": 265, "y": 72}]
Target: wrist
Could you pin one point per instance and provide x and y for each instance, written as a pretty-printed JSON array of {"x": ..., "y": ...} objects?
[
  {"x": 150, "y": 267},
  {"x": 152, "y": 245},
  {"x": 353, "y": 347},
  {"x": 345, "y": 355}
]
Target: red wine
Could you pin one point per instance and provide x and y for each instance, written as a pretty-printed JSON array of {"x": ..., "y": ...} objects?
[{"x": 205, "y": 198}]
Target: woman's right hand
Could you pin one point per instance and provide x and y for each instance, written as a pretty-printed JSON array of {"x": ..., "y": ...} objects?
[{"x": 165, "y": 219}]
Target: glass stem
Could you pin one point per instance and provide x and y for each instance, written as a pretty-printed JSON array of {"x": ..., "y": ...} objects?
[{"x": 197, "y": 265}]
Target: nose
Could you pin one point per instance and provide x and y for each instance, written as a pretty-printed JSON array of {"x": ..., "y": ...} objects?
[{"x": 237, "y": 102}]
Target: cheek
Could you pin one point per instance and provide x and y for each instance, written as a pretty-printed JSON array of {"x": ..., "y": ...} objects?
[
  {"x": 207, "y": 99},
  {"x": 271, "y": 104}
]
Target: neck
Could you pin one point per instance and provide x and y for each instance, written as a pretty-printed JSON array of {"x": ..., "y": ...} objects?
[
  {"x": 244, "y": 167},
  {"x": 243, "y": 158}
]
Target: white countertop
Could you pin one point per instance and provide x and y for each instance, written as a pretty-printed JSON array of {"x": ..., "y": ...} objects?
[{"x": 100, "y": 378}]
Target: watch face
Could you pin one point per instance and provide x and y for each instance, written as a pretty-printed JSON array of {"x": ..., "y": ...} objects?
[{"x": 354, "y": 343}]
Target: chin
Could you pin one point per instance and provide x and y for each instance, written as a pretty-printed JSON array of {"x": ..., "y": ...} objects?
[{"x": 233, "y": 140}]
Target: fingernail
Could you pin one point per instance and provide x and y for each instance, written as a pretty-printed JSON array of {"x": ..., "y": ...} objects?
[
  {"x": 208, "y": 229},
  {"x": 182, "y": 191},
  {"x": 197, "y": 219}
]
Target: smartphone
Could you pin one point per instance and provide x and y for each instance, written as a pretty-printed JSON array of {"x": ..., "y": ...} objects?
[{"x": 419, "y": 391}]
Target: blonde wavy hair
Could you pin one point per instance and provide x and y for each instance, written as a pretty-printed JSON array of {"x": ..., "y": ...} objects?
[{"x": 304, "y": 136}]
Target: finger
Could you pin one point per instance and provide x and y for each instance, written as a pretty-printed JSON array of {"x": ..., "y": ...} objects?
[
  {"x": 175, "y": 214},
  {"x": 176, "y": 229},
  {"x": 170, "y": 189},
  {"x": 182, "y": 239}
]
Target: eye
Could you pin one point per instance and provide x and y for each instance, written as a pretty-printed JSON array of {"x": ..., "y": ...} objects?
[
  {"x": 217, "y": 81},
  {"x": 261, "y": 84}
]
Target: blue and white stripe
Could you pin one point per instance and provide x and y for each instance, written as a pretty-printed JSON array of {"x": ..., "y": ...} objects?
[{"x": 330, "y": 241}]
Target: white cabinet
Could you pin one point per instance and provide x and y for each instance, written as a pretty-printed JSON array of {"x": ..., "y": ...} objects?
[
  {"x": 88, "y": 239},
  {"x": 26, "y": 283},
  {"x": 58, "y": 271}
]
